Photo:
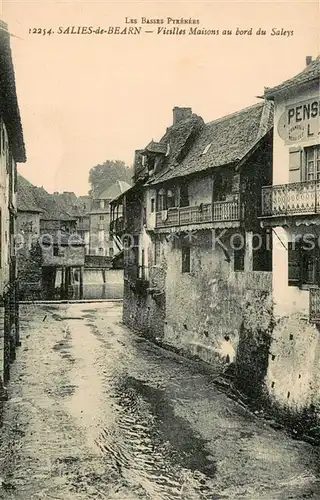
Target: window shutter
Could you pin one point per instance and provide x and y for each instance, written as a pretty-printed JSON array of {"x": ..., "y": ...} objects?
[
  {"x": 295, "y": 164},
  {"x": 294, "y": 264}
]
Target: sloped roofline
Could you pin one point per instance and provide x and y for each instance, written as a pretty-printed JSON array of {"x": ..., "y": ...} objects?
[
  {"x": 9, "y": 107},
  {"x": 308, "y": 75}
]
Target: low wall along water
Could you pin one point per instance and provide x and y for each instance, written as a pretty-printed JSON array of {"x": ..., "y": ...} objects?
[{"x": 98, "y": 284}]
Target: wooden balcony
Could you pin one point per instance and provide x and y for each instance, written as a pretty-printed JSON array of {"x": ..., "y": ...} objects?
[
  {"x": 219, "y": 211},
  {"x": 117, "y": 226},
  {"x": 297, "y": 198},
  {"x": 314, "y": 305}
]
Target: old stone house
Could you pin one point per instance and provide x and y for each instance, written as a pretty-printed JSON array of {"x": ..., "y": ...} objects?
[
  {"x": 291, "y": 209},
  {"x": 12, "y": 151},
  {"x": 50, "y": 252},
  {"x": 197, "y": 263},
  {"x": 79, "y": 208}
]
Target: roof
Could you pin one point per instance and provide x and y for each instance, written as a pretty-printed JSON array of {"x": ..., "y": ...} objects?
[
  {"x": 31, "y": 198},
  {"x": 309, "y": 74},
  {"x": 221, "y": 142},
  {"x": 25, "y": 196},
  {"x": 180, "y": 137},
  {"x": 114, "y": 190},
  {"x": 156, "y": 147},
  {"x": 9, "y": 107},
  {"x": 73, "y": 205}
]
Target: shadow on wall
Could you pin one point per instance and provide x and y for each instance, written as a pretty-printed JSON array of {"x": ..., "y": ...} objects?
[{"x": 254, "y": 345}]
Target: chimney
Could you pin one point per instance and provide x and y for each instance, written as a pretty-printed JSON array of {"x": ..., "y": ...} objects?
[
  {"x": 180, "y": 114},
  {"x": 138, "y": 166},
  {"x": 308, "y": 60}
]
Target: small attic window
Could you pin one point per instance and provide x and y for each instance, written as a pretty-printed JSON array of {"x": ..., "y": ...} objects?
[{"x": 206, "y": 149}]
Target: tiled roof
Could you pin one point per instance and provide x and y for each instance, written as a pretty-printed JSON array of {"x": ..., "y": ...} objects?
[
  {"x": 222, "y": 142},
  {"x": 114, "y": 191},
  {"x": 309, "y": 74},
  {"x": 9, "y": 108},
  {"x": 26, "y": 199},
  {"x": 32, "y": 198},
  {"x": 156, "y": 147},
  {"x": 180, "y": 137}
]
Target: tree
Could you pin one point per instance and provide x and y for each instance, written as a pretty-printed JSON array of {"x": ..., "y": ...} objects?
[{"x": 103, "y": 176}]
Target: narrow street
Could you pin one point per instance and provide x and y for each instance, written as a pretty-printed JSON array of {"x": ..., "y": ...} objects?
[{"x": 95, "y": 411}]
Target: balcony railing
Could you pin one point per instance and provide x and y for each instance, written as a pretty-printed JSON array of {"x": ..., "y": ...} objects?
[
  {"x": 219, "y": 211},
  {"x": 314, "y": 305},
  {"x": 291, "y": 199}
]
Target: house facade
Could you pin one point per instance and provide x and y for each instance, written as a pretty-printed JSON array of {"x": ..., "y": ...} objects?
[
  {"x": 194, "y": 274},
  {"x": 101, "y": 241},
  {"x": 291, "y": 209},
  {"x": 12, "y": 151},
  {"x": 51, "y": 255}
]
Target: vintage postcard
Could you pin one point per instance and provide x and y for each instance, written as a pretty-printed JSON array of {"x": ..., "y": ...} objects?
[{"x": 159, "y": 250}]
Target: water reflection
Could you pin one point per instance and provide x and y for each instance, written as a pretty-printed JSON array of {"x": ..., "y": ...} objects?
[
  {"x": 99, "y": 291},
  {"x": 153, "y": 445}
]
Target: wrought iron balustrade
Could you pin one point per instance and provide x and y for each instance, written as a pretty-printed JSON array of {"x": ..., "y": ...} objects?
[{"x": 291, "y": 199}]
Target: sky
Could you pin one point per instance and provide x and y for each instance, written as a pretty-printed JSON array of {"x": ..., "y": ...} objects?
[{"x": 88, "y": 98}]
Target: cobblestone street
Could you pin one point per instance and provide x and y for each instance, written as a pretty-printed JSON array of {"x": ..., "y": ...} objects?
[{"x": 95, "y": 411}]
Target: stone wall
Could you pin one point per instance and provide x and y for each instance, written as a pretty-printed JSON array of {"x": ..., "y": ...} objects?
[
  {"x": 210, "y": 303},
  {"x": 71, "y": 256},
  {"x": 293, "y": 376},
  {"x": 29, "y": 261},
  {"x": 143, "y": 310}
]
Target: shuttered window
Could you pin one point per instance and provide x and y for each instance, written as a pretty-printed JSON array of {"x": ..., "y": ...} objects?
[
  {"x": 294, "y": 264},
  {"x": 295, "y": 164},
  {"x": 157, "y": 250},
  {"x": 185, "y": 259},
  {"x": 303, "y": 265}
]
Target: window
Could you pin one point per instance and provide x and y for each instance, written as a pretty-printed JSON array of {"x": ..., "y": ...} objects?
[
  {"x": 162, "y": 200},
  {"x": 312, "y": 163},
  {"x": 152, "y": 205},
  {"x": 185, "y": 251},
  {"x": 184, "y": 195},
  {"x": 111, "y": 252},
  {"x": 303, "y": 264},
  {"x": 239, "y": 251},
  {"x": 262, "y": 251},
  {"x": 236, "y": 183},
  {"x": 157, "y": 251},
  {"x": 101, "y": 217},
  {"x": 170, "y": 198},
  {"x": 58, "y": 252},
  {"x": 101, "y": 251},
  {"x": 101, "y": 203}
]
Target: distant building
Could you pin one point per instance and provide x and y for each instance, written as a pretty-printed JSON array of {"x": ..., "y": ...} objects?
[
  {"x": 12, "y": 151},
  {"x": 50, "y": 250},
  {"x": 101, "y": 241}
]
